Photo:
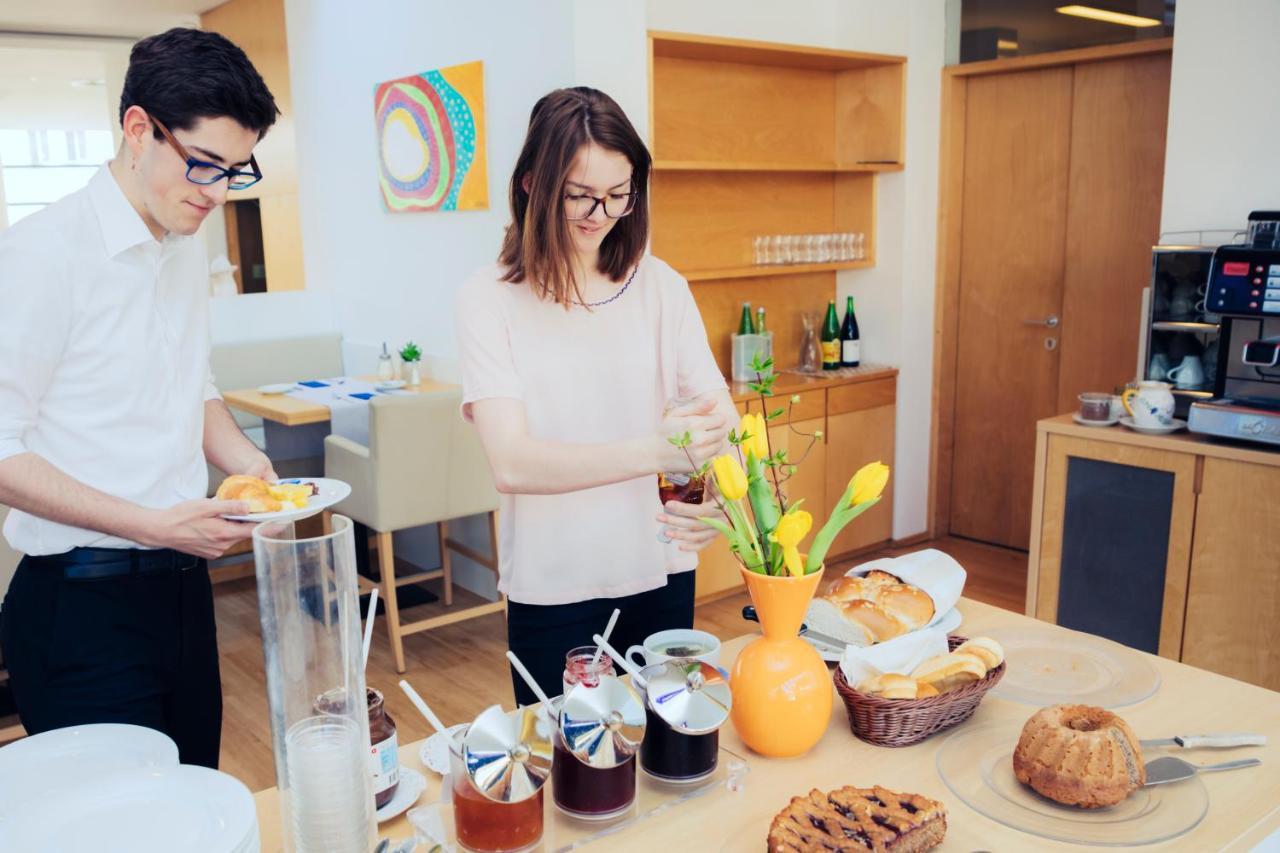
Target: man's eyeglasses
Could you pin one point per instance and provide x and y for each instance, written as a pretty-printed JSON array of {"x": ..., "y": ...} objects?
[
  {"x": 616, "y": 205},
  {"x": 204, "y": 172}
]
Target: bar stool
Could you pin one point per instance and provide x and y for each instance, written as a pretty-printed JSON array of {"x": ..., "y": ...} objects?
[{"x": 424, "y": 465}]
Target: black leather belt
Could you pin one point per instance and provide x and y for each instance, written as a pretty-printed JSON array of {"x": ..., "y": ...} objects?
[{"x": 88, "y": 563}]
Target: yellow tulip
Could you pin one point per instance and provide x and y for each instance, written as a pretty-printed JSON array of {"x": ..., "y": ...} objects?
[
  {"x": 868, "y": 483},
  {"x": 791, "y": 529},
  {"x": 730, "y": 478},
  {"x": 754, "y": 426}
]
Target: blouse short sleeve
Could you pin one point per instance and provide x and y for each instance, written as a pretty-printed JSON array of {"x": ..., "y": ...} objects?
[
  {"x": 696, "y": 370},
  {"x": 484, "y": 343}
]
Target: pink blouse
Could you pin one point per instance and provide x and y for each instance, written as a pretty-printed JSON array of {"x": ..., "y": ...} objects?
[{"x": 585, "y": 377}]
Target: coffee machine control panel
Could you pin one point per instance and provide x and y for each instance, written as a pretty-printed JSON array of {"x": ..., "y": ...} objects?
[{"x": 1244, "y": 281}]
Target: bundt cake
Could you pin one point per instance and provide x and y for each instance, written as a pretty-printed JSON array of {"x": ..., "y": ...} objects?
[{"x": 1079, "y": 755}]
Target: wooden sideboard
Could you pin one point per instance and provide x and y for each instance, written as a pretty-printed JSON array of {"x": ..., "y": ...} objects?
[
  {"x": 1166, "y": 543},
  {"x": 856, "y": 416}
]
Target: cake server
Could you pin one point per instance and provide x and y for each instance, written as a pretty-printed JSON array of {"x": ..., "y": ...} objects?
[
  {"x": 749, "y": 613},
  {"x": 1167, "y": 768},
  {"x": 1215, "y": 741}
]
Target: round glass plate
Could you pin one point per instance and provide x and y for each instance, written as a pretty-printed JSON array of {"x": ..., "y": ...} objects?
[
  {"x": 1049, "y": 668},
  {"x": 977, "y": 765}
]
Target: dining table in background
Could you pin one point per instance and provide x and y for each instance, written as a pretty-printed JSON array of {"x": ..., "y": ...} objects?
[{"x": 1243, "y": 810}]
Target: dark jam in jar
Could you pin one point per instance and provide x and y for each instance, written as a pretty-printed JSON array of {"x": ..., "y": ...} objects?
[
  {"x": 593, "y": 793},
  {"x": 384, "y": 760},
  {"x": 675, "y": 756}
]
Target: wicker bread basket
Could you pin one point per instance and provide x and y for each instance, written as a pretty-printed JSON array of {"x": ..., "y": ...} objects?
[{"x": 902, "y": 722}]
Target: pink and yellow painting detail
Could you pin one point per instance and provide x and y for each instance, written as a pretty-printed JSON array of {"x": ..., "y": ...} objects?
[{"x": 431, "y": 143}]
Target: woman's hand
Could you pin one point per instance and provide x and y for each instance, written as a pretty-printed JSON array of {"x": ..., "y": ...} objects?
[
  {"x": 707, "y": 429},
  {"x": 683, "y": 526}
]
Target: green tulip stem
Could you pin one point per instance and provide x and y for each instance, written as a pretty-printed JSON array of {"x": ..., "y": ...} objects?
[{"x": 840, "y": 517}]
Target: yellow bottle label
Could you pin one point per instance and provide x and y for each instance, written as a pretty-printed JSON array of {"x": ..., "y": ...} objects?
[{"x": 831, "y": 352}]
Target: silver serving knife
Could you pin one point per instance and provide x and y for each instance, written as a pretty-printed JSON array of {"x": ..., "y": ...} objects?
[
  {"x": 1214, "y": 741},
  {"x": 1168, "y": 768},
  {"x": 749, "y": 613}
]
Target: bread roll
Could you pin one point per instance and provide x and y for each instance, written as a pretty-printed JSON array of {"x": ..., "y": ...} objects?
[
  {"x": 890, "y": 686},
  {"x": 950, "y": 670},
  {"x": 879, "y": 622},
  {"x": 924, "y": 690},
  {"x": 252, "y": 490},
  {"x": 910, "y": 605},
  {"x": 984, "y": 648},
  {"x": 866, "y": 610}
]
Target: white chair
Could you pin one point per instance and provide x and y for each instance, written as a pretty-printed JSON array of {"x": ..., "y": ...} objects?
[{"x": 424, "y": 465}]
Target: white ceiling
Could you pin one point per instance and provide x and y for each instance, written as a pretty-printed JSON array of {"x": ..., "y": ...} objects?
[{"x": 101, "y": 17}]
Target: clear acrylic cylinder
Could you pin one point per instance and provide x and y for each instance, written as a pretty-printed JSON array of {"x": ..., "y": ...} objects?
[{"x": 310, "y": 613}]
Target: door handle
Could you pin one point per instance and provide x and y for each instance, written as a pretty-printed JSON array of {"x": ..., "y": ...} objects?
[{"x": 1051, "y": 321}]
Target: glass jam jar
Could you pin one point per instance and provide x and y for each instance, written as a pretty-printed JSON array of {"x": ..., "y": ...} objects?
[{"x": 578, "y": 668}]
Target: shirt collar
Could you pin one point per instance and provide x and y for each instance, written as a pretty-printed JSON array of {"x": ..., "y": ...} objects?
[{"x": 122, "y": 227}]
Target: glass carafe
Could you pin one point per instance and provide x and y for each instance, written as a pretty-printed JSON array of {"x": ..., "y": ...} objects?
[
  {"x": 312, "y": 653},
  {"x": 810, "y": 358}
]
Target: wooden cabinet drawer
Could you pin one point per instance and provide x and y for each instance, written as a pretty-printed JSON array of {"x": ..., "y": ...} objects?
[
  {"x": 812, "y": 405},
  {"x": 857, "y": 396}
]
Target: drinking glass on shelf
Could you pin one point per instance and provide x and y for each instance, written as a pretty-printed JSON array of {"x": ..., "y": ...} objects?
[
  {"x": 760, "y": 250},
  {"x": 779, "y": 249},
  {"x": 824, "y": 248},
  {"x": 859, "y": 246},
  {"x": 810, "y": 248}
]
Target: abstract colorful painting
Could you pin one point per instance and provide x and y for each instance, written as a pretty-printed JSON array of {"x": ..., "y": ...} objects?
[{"x": 431, "y": 145}]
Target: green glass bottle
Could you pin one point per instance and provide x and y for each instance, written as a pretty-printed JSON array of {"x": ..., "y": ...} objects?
[
  {"x": 744, "y": 325},
  {"x": 850, "y": 338},
  {"x": 831, "y": 339},
  {"x": 760, "y": 326}
]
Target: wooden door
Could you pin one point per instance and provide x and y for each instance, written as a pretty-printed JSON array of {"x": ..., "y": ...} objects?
[
  {"x": 1014, "y": 211},
  {"x": 1062, "y": 172},
  {"x": 1233, "y": 606}
]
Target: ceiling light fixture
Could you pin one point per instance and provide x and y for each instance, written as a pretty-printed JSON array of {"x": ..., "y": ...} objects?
[{"x": 1095, "y": 14}]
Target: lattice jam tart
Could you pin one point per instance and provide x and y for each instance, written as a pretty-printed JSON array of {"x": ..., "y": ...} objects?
[{"x": 851, "y": 818}]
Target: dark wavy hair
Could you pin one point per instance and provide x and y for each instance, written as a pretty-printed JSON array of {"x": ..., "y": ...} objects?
[
  {"x": 183, "y": 75},
  {"x": 538, "y": 246}
]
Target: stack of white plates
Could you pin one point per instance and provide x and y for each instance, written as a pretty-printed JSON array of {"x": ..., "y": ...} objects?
[{"x": 118, "y": 788}]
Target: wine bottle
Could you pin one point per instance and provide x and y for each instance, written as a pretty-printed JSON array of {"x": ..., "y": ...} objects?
[
  {"x": 850, "y": 340},
  {"x": 831, "y": 339},
  {"x": 744, "y": 324},
  {"x": 760, "y": 326}
]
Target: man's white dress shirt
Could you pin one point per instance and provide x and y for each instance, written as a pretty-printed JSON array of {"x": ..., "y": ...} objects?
[{"x": 104, "y": 357}]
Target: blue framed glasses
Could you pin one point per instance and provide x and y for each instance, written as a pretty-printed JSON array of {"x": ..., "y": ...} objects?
[{"x": 204, "y": 172}]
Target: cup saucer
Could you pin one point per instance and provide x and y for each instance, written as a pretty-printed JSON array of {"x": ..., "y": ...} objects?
[
  {"x": 1086, "y": 422},
  {"x": 1177, "y": 424}
]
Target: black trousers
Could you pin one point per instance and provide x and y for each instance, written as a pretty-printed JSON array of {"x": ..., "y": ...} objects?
[
  {"x": 98, "y": 635},
  {"x": 541, "y": 634}
]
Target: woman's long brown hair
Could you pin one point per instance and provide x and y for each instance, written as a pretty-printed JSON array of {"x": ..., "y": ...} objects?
[{"x": 538, "y": 247}]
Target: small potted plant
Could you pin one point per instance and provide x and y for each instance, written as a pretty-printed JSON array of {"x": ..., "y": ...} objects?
[
  {"x": 781, "y": 692},
  {"x": 411, "y": 356}
]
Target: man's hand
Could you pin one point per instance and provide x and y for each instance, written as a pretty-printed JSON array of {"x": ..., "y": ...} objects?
[
  {"x": 683, "y": 526},
  {"x": 259, "y": 466},
  {"x": 196, "y": 527}
]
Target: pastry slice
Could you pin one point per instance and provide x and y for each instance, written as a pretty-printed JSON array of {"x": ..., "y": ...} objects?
[{"x": 852, "y": 819}]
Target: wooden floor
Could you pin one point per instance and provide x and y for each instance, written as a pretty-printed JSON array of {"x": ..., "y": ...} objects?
[{"x": 460, "y": 669}]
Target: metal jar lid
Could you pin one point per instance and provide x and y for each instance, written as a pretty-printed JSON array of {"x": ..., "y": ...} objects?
[
  {"x": 691, "y": 696},
  {"x": 602, "y": 726},
  {"x": 507, "y": 758}
]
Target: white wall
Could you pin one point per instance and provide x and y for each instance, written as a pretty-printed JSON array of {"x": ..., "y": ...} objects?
[{"x": 1224, "y": 115}]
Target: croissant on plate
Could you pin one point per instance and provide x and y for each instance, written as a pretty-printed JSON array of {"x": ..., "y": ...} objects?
[{"x": 254, "y": 491}]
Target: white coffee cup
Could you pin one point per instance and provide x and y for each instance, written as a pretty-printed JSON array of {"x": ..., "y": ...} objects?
[
  {"x": 1150, "y": 404},
  {"x": 1159, "y": 368},
  {"x": 1189, "y": 374},
  {"x": 659, "y": 647}
]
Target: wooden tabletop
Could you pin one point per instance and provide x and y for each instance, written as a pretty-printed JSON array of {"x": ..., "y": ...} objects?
[
  {"x": 1182, "y": 441},
  {"x": 795, "y": 383},
  {"x": 1243, "y": 807},
  {"x": 292, "y": 411}
]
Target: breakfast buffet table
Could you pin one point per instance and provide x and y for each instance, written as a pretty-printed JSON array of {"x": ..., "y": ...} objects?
[{"x": 1243, "y": 806}]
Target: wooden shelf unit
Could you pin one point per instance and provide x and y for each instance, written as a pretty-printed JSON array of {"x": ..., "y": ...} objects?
[{"x": 754, "y": 139}]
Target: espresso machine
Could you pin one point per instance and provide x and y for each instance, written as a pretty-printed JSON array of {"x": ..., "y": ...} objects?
[{"x": 1244, "y": 287}]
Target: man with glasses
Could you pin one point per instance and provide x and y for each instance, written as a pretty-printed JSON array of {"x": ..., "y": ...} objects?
[{"x": 108, "y": 411}]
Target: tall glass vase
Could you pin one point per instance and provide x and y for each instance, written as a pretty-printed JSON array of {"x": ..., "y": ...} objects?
[
  {"x": 781, "y": 689},
  {"x": 311, "y": 645}
]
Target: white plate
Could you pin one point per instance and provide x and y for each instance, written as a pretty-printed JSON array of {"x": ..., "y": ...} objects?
[
  {"x": 1086, "y": 422},
  {"x": 278, "y": 388},
  {"x": 948, "y": 623},
  {"x": 390, "y": 384},
  {"x": 412, "y": 784},
  {"x": 1177, "y": 424},
  {"x": 331, "y": 492},
  {"x": 150, "y": 810},
  {"x": 434, "y": 752},
  {"x": 35, "y": 767}
]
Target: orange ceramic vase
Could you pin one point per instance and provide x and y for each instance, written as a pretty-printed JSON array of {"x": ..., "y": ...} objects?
[{"x": 781, "y": 688}]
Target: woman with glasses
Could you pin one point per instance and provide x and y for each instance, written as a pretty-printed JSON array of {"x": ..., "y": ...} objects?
[
  {"x": 571, "y": 348},
  {"x": 108, "y": 412}
]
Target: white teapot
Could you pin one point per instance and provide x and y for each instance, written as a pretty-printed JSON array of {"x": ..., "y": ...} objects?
[{"x": 1150, "y": 404}]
